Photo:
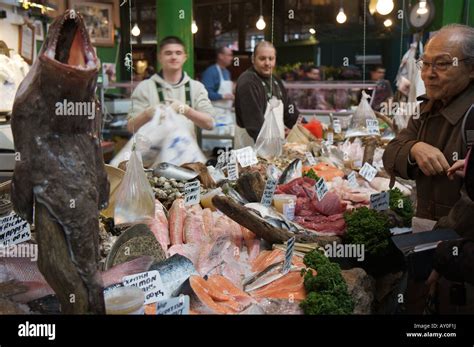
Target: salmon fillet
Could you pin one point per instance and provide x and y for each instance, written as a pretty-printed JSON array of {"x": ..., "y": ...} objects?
[
  {"x": 176, "y": 221},
  {"x": 290, "y": 286}
]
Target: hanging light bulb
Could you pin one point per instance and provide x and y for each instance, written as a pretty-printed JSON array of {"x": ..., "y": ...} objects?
[
  {"x": 261, "y": 23},
  {"x": 388, "y": 23},
  {"x": 194, "y": 27},
  {"x": 422, "y": 9},
  {"x": 135, "y": 30},
  {"x": 384, "y": 7},
  {"x": 341, "y": 16},
  {"x": 312, "y": 31}
]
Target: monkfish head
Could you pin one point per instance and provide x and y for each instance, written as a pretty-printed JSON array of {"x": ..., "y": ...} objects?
[{"x": 68, "y": 45}]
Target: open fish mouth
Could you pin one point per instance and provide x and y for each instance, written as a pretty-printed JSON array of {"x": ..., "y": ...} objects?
[{"x": 70, "y": 44}]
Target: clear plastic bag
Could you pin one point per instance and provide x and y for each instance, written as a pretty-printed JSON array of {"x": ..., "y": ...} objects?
[
  {"x": 269, "y": 142},
  {"x": 363, "y": 114},
  {"x": 135, "y": 198}
]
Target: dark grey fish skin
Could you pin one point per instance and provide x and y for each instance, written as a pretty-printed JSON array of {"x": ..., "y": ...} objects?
[
  {"x": 174, "y": 272},
  {"x": 287, "y": 174},
  {"x": 60, "y": 171}
]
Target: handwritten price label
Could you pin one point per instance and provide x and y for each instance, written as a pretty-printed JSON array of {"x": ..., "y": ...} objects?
[
  {"x": 373, "y": 126},
  {"x": 267, "y": 196},
  {"x": 380, "y": 202},
  {"x": 368, "y": 172},
  {"x": 192, "y": 191},
  {"x": 321, "y": 189}
]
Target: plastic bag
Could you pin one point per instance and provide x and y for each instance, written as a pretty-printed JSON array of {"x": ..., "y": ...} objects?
[
  {"x": 147, "y": 140},
  {"x": 363, "y": 114},
  {"x": 135, "y": 198},
  {"x": 163, "y": 139},
  {"x": 269, "y": 142},
  {"x": 179, "y": 146}
]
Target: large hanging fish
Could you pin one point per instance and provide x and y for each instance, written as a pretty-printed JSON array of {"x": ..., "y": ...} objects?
[{"x": 60, "y": 181}]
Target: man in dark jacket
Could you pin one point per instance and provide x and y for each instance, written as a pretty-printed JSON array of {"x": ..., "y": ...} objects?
[
  {"x": 255, "y": 87},
  {"x": 432, "y": 142}
]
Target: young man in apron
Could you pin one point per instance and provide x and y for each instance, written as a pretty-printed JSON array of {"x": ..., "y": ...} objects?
[
  {"x": 172, "y": 85},
  {"x": 255, "y": 89}
]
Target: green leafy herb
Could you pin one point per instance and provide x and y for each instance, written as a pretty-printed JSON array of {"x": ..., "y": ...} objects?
[
  {"x": 402, "y": 206},
  {"x": 327, "y": 290},
  {"x": 369, "y": 228},
  {"x": 311, "y": 174}
]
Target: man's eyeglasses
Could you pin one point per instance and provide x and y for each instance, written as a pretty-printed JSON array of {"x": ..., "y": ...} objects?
[{"x": 441, "y": 65}]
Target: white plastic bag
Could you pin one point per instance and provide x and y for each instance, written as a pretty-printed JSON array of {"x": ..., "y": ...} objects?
[
  {"x": 135, "y": 199},
  {"x": 269, "y": 142},
  {"x": 163, "y": 139},
  {"x": 364, "y": 113},
  {"x": 179, "y": 146}
]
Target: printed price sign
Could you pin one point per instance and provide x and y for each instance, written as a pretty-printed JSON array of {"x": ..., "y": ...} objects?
[
  {"x": 13, "y": 230},
  {"x": 321, "y": 189},
  {"x": 233, "y": 171},
  {"x": 373, "y": 126},
  {"x": 150, "y": 282},
  {"x": 173, "y": 306},
  {"x": 192, "y": 193},
  {"x": 221, "y": 161},
  {"x": 380, "y": 201},
  {"x": 368, "y": 172},
  {"x": 267, "y": 196},
  {"x": 289, "y": 210},
  {"x": 310, "y": 158},
  {"x": 337, "y": 126},
  {"x": 290, "y": 246},
  {"x": 330, "y": 138},
  {"x": 352, "y": 178},
  {"x": 246, "y": 156}
]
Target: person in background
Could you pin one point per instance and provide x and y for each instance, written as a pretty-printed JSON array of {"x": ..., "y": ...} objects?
[
  {"x": 311, "y": 73},
  {"x": 383, "y": 91},
  {"x": 149, "y": 72},
  {"x": 255, "y": 87},
  {"x": 217, "y": 79},
  {"x": 172, "y": 85}
]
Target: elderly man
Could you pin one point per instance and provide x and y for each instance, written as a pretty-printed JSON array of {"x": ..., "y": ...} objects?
[{"x": 432, "y": 142}]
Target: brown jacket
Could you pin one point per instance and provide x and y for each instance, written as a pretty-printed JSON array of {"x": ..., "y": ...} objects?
[{"x": 439, "y": 126}]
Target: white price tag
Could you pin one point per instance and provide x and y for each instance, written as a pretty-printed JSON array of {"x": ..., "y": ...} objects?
[
  {"x": 373, "y": 126},
  {"x": 368, "y": 172},
  {"x": 233, "y": 171},
  {"x": 267, "y": 196},
  {"x": 352, "y": 178},
  {"x": 321, "y": 189},
  {"x": 337, "y": 126},
  {"x": 192, "y": 193},
  {"x": 289, "y": 210},
  {"x": 13, "y": 230},
  {"x": 290, "y": 246},
  {"x": 380, "y": 201},
  {"x": 173, "y": 306},
  {"x": 150, "y": 282},
  {"x": 330, "y": 138},
  {"x": 246, "y": 156},
  {"x": 310, "y": 158},
  {"x": 221, "y": 161}
]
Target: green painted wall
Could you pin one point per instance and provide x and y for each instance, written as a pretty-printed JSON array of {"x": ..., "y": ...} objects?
[{"x": 175, "y": 18}]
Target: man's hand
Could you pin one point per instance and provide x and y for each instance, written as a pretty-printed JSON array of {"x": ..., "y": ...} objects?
[
  {"x": 228, "y": 97},
  {"x": 179, "y": 107},
  {"x": 430, "y": 160},
  {"x": 149, "y": 113},
  {"x": 456, "y": 169}
]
